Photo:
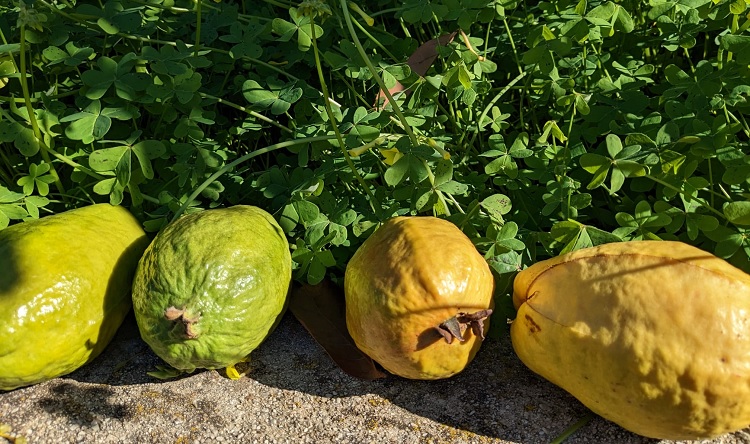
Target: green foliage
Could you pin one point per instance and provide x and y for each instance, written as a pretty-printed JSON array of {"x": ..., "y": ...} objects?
[{"x": 547, "y": 127}]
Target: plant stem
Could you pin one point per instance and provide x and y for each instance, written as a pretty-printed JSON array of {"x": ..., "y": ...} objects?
[
  {"x": 572, "y": 429},
  {"x": 279, "y": 4},
  {"x": 32, "y": 116},
  {"x": 376, "y": 76},
  {"x": 198, "y": 10},
  {"x": 513, "y": 46},
  {"x": 248, "y": 111},
  {"x": 701, "y": 202},
  {"x": 238, "y": 161},
  {"x": 492, "y": 103},
  {"x": 469, "y": 214},
  {"x": 34, "y": 99},
  {"x": 373, "y": 200},
  {"x": 374, "y": 40}
]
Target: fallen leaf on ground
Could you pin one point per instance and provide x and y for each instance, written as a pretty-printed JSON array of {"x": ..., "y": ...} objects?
[{"x": 320, "y": 309}]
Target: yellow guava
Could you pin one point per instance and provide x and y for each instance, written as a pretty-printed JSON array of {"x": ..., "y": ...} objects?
[
  {"x": 418, "y": 297},
  {"x": 652, "y": 335}
]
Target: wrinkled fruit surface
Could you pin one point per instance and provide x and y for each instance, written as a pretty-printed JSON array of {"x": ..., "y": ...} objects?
[
  {"x": 652, "y": 335},
  {"x": 64, "y": 290},
  {"x": 211, "y": 286},
  {"x": 407, "y": 285}
]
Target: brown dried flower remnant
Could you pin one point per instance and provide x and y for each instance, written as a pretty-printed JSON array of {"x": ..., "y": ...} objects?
[
  {"x": 456, "y": 326},
  {"x": 176, "y": 314}
]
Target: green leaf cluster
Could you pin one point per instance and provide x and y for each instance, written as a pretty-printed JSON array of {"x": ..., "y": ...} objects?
[{"x": 538, "y": 128}]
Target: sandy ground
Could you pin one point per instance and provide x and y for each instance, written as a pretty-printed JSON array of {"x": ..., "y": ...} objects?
[{"x": 294, "y": 393}]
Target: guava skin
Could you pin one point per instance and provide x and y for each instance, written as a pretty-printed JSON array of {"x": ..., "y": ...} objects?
[
  {"x": 409, "y": 276},
  {"x": 211, "y": 287},
  {"x": 64, "y": 290},
  {"x": 652, "y": 335}
]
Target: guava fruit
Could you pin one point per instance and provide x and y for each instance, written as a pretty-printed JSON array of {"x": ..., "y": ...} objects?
[
  {"x": 418, "y": 297},
  {"x": 64, "y": 290},
  {"x": 211, "y": 286},
  {"x": 652, "y": 335}
]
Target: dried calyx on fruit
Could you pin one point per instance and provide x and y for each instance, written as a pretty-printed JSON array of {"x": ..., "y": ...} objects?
[
  {"x": 454, "y": 327},
  {"x": 413, "y": 287}
]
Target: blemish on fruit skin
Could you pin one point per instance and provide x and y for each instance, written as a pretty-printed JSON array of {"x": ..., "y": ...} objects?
[{"x": 533, "y": 326}]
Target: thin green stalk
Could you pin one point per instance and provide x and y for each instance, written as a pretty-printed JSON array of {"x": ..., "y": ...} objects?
[
  {"x": 374, "y": 40},
  {"x": 6, "y": 173},
  {"x": 513, "y": 46},
  {"x": 469, "y": 214},
  {"x": 279, "y": 4},
  {"x": 572, "y": 429},
  {"x": 701, "y": 202},
  {"x": 248, "y": 111},
  {"x": 375, "y": 75},
  {"x": 354, "y": 91},
  {"x": 742, "y": 122},
  {"x": 487, "y": 39},
  {"x": 711, "y": 182},
  {"x": 492, "y": 103},
  {"x": 373, "y": 200},
  {"x": 148, "y": 198},
  {"x": 32, "y": 116},
  {"x": 385, "y": 11},
  {"x": 238, "y": 161},
  {"x": 570, "y": 130},
  {"x": 198, "y": 11},
  {"x": 34, "y": 99},
  {"x": 449, "y": 114},
  {"x": 455, "y": 203}
]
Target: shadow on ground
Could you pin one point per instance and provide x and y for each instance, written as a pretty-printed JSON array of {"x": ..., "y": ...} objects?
[
  {"x": 82, "y": 405},
  {"x": 125, "y": 361},
  {"x": 496, "y": 396}
]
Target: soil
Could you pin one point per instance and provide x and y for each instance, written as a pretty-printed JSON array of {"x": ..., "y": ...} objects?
[{"x": 294, "y": 393}]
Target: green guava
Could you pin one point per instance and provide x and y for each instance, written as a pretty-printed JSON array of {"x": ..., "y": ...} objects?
[
  {"x": 212, "y": 286},
  {"x": 65, "y": 286}
]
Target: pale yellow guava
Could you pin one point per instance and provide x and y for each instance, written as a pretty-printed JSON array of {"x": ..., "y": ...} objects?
[{"x": 652, "y": 335}]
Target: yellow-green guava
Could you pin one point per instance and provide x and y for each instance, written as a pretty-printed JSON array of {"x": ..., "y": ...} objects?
[
  {"x": 212, "y": 286},
  {"x": 418, "y": 297},
  {"x": 65, "y": 286},
  {"x": 652, "y": 335}
]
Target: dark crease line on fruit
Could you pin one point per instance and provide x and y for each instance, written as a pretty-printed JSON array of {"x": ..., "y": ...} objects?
[
  {"x": 175, "y": 314},
  {"x": 532, "y": 308},
  {"x": 456, "y": 326}
]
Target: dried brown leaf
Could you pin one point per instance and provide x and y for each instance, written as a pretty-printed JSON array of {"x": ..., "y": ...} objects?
[
  {"x": 320, "y": 309},
  {"x": 419, "y": 62}
]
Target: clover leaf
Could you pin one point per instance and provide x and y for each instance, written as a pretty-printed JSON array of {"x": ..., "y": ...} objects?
[
  {"x": 37, "y": 178},
  {"x": 620, "y": 162},
  {"x": 93, "y": 122},
  {"x": 300, "y": 26},
  {"x": 278, "y": 100}
]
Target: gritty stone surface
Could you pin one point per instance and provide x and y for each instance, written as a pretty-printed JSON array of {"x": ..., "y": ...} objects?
[{"x": 293, "y": 393}]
